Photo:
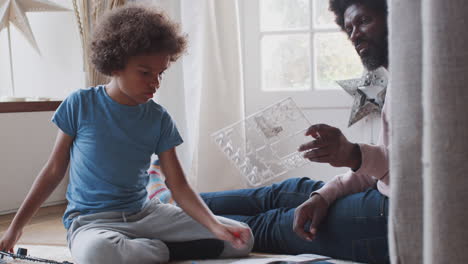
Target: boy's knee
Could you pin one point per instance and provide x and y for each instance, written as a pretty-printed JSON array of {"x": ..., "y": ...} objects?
[
  {"x": 249, "y": 244},
  {"x": 99, "y": 250}
]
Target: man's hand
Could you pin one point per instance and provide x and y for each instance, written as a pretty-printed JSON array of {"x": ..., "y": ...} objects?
[
  {"x": 331, "y": 146},
  {"x": 313, "y": 210}
]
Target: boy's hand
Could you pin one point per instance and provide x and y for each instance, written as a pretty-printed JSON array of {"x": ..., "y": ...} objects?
[
  {"x": 9, "y": 239},
  {"x": 236, "y": 235}
]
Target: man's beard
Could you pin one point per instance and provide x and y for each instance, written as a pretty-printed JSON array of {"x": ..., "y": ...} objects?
[{"x": 376, "y": 57}]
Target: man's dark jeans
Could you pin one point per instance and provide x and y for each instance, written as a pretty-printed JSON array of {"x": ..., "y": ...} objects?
[{"x": 355, "y": 227}]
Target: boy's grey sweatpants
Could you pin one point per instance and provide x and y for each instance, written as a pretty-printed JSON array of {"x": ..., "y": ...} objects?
[{"x": 114, "y": 237}]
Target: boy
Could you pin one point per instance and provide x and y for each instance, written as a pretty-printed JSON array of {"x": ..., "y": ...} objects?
[{"x": 108, "y": 134}]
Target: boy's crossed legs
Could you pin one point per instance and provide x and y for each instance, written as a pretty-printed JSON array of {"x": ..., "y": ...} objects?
[{"x": 115, "y": 238}]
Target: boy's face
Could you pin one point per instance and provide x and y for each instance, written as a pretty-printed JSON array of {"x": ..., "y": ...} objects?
[{"x": 140, "y": 78}]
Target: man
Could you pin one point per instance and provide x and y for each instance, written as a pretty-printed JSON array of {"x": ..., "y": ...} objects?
[{"x": 347, "y": 217}]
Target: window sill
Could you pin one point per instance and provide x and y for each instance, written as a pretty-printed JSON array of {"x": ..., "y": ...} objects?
[{"x": 38, "y": 106}]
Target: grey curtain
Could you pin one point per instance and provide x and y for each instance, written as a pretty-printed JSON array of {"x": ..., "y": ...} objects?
[{"x": 429, "y": 131}]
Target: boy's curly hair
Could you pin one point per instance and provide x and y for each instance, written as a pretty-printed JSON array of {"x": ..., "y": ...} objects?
[
  {"x": 338, "y": 7},
  {"x": 133, "y": 30}
]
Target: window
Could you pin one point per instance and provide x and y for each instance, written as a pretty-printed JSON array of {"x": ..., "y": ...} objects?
[
  {"x": 294, "y": 48},
  {"x": 50, "y": 75}
]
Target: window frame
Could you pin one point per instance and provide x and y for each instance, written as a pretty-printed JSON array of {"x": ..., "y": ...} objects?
[{"x": 251, "y": 42}]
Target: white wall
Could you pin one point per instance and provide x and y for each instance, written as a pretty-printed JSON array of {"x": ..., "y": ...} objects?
[{"x": 26, "y": 140}]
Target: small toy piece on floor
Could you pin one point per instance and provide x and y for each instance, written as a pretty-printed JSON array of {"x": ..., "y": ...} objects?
[{"x": 22, "y": 253}]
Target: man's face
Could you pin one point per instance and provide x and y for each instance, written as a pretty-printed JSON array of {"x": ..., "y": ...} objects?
[{"x": 367, "y": 30}]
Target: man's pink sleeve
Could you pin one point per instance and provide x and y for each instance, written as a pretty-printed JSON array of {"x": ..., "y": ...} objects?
[{"x": 345, "y": 184}]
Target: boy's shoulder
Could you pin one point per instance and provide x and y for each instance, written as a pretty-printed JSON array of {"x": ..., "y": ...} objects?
[
  {"x": 156, "y": 107},
  {"x": 85, "y": 92},
  {"x": 90, "y": 91}
]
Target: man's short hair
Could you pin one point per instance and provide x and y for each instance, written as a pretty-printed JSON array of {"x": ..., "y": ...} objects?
[{"x": 338, "y": 7}]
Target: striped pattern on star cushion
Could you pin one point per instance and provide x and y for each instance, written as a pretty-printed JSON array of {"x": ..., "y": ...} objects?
[{"x": 156, "y": 186}]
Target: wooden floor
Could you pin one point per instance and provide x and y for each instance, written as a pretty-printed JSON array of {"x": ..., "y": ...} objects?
[{"x": 45, "y": 228}]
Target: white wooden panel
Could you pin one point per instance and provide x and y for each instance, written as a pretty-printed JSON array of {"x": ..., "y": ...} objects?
[{"x": 26, "y": 141}]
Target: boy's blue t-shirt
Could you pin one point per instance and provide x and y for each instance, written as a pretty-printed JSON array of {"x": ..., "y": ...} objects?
[{"x": 111, "y": 151}]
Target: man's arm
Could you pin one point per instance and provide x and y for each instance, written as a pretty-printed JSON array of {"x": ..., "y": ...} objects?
[
  {"x": 368, "y": 162},
  {"x": 331, "y": 146}
]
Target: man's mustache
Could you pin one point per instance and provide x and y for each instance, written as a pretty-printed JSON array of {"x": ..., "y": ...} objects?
[{"x": 361, "y": 40}]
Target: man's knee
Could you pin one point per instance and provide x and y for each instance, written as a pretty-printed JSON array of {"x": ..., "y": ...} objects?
[
  {"x": 298, "y": 182},
  {"x": 289, "y": 182}
]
